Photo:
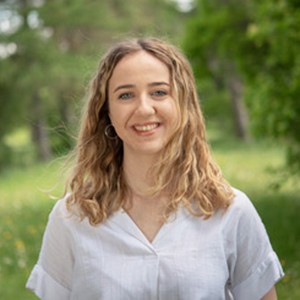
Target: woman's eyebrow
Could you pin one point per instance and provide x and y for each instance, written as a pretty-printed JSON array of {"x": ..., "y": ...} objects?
[
  {"x": 124, "y": 86},
  {"x": 158, "y": 83}
]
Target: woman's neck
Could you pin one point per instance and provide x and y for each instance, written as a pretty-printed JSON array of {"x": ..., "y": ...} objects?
[
  {"x": 146, "y": 210},
  {"x": 136, "y": 172}
]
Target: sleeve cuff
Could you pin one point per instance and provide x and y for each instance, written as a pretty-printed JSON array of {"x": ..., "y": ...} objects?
[
  {"x": 45, "y": 287},
  {"x": 261, "y": 280}
]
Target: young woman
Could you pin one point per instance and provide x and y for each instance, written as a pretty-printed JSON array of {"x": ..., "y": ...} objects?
[{"x": 148, "y": 214}]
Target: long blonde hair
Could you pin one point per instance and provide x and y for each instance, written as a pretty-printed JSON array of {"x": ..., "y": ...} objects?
[{"x": 185, "y": 168}]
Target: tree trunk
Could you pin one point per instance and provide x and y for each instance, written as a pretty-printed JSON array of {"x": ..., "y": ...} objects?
[
  {"x": 39, "y": 133},
  {"x": 235, "y": 87}
]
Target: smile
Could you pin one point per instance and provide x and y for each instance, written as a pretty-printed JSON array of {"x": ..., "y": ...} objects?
[{"x": 147, "y": 127}]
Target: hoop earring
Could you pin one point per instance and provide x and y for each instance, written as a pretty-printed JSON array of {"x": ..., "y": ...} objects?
[{"x": 110, "y": 133}]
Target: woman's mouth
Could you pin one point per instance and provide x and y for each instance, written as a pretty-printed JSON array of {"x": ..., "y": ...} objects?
[{"x": 146, "y": 127}]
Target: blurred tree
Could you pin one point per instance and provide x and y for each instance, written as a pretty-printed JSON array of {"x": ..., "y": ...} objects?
[
  {"x": 252, "y": 50},
  {"x": 272, "y": 71},
  {"x": 24, "y": 75},
  {"x": 57, "y": 44},
  {"x": 215, "y": 40},
  {"x": 8, "y": 110}
]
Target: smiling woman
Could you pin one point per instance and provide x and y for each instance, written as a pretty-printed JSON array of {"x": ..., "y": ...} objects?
[
  {"x": 147, "y": 213},
  {"x": 147, "y": 118}
]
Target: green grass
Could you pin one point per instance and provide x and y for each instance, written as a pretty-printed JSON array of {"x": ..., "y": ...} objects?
[{"x": 24, "y": 207}]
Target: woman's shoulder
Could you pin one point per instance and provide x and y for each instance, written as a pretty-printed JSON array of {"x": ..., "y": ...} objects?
[
  {"x": 241, "y": 210},
  {"x": 61, "y": 211},
  {"x": 60, "y": 207},
  {"x": 240, "y": 202}
]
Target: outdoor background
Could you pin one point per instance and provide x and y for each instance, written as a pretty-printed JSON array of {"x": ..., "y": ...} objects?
[{"x": 246, "y": 59}]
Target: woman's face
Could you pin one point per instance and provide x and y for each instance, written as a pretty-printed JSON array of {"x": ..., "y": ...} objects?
[{"x": 142, "y": 108}]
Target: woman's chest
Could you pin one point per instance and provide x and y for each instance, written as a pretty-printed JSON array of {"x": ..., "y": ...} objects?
[{"x": 181, "y": 263}]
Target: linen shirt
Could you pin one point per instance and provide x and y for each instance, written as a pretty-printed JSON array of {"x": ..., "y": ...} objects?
[{"x": 228, "y": 256}]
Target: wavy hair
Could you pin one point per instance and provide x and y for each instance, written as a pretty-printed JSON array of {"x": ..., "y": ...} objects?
[{"x": 185, "y": 167}]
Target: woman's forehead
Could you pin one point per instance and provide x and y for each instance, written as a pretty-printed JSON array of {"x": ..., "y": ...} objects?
[{"x": 137, "y": 67}]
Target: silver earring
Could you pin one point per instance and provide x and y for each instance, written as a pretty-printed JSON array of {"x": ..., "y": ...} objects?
[{"x": 110, "y": 133}]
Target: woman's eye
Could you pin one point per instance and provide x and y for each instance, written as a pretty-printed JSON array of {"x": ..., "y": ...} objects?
[
  {"x": 159, "y": 93},
  {"x": 125, "y": 96}
]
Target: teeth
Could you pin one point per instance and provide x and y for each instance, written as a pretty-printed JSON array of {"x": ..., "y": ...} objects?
[{"x": 146, "y": 127}]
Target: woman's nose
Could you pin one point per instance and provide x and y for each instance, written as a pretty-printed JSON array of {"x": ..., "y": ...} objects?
[{"x": 145, "y": 106}]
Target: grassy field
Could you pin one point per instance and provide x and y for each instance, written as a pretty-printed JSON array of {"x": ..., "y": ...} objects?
[
  {"x": 25, "y": 204},
  {"x": 24, "y": 207}
]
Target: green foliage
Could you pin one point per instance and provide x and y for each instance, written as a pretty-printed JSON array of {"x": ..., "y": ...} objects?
[
  {"x": 55, "y": 56},
  {"x": 98, "y": 20},
  {"x": 262, "y": 39},
  {"x": 213, "y": 41},
  {"x": 24, "y": 209},
  {"x": 276, "y": 77},
  {"x": 5, "y": 155},
  {"x": 8, "y": 119}
]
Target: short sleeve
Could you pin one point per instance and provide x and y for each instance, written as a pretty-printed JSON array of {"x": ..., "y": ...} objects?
[
  {"x": 51, "y": 276},
  {"x": 253, "y": 265},
  {"x": 44, "y": 286}
]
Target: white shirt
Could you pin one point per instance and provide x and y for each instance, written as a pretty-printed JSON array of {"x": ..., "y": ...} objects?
[{"x": 228, "y": 256}]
